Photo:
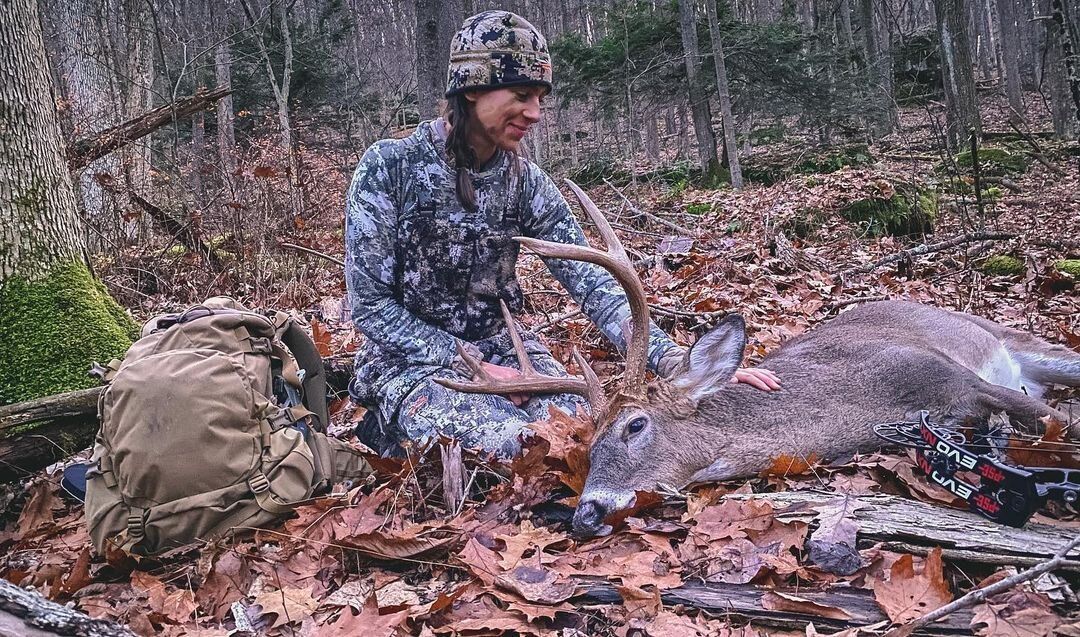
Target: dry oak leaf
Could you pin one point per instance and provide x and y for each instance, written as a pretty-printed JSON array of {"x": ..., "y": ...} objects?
[
  {"x": 37, "y": 513},
  {"x": 665, "y": 624},
  {"x": 287, "y": 605},
  {"x": 789, "y": 465},
  {"x": 369, "y": 623},
  {"x": 481, "y": 561},
  {"x": 732, "y": 519},
  {"x": 536, "y": 584},
  {"x": 907, "y": 595},
  {"x": 785, "y": 602},
  {"x": 1015, "y": 613},
  {"x": 527, "y": 540},
  {"x": 174, "y": 607},
  {"x": 227, "y": 581},
  {"x": 639, "y": 602}
]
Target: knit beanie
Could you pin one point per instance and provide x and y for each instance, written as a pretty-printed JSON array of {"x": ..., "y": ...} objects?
[{"x": 497, "y": 49}]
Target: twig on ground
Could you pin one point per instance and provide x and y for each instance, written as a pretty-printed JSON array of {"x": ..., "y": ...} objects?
[
  {"x": 980, "y": 594},
  {"x": 929, "y": 248},
  {"x": 293, "y": 246},
  {"x": 1038, "y": 154},
  {"x": 664, "y": 222},
  {"x": 836, "y": 305}
]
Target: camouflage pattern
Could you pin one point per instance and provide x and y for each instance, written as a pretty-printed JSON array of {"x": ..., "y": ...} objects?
[
  {"x": 497, "y": 49},
  {"x": 424, "y": 273}
]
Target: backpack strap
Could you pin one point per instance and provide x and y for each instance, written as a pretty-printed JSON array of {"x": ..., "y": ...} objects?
[{"x": 307, "y": 357}]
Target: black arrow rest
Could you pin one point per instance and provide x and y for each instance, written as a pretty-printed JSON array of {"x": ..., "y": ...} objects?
[{"x": 991, "y": 484}]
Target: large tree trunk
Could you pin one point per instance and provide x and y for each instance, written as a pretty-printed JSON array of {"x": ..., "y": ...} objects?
[
  {"x": 55, "y": 320},
  {"x": 1011, "y": 53},
  {"x": 1063, "y": 70},
  {"x": 226, "y": 119},
  {"x": 432, "y": 54},
  {"x": 877, "y": 53},
  {"x": 723, "y": 91},
  {"x": 699, "y": 101},
  {"x": 961, "y": 109}
]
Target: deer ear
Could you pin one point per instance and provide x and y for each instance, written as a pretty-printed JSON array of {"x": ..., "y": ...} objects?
[{"x": 713, "y": 359}]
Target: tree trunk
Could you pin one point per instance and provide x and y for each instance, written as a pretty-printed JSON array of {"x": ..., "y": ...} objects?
[
  {"x": 432, "y": 54},
  {"x": 226, "y": 119},
  {"x": 961, "y": 109},
  {"x": 699, "y": 101},
  {"x": 28, "y": 614},
  {"x": 878, "y": 70},
  {"x": 55, "y": 320},
  {"x": 1011, "y": 53},
  {"x": 1063, "y": 70},
  {"x": 723, "y": 91}
]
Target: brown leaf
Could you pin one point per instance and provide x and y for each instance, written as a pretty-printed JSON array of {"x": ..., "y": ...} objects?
[
  {"x": 789, "y": 465},
  {"x": 79, "y": 576},
  {"x": 908, "y": 594},
  {"x": 227, "y": 581},
  {"x": 37, "y": 514},
  {"x": 174, "y": 606},
  {"x": 785, "y": 602},
  {"x": 832, "y": 545},
  {"x": 639, "y": 602},
  {"x": 536, "y": 584},
  {"x": 482, "y": 561},
  {"x": 732, "y": 519},
  {"x": 288, "y": 605},
  {"x": 321, "y": 337},
  {"x": 528, "y": 541},
  {"x": 1015, "y": 613},
  {"x": 737, "y": 562},
  {"x": 369, "y": 622}
]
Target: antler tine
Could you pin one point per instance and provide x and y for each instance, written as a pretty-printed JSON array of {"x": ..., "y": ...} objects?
[
  {"x": 530, "y": 382},
  {"x": 595, "y": 396},
  {"x": 616, "y": 261}
]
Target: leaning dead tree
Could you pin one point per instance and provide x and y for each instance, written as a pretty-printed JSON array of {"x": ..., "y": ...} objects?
[
  {"x": 85, "y": 151},
  {"x": 28, "y": 614}
]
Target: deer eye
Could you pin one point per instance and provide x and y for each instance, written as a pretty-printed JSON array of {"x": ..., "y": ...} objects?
[{"x": 635, "y": 426}]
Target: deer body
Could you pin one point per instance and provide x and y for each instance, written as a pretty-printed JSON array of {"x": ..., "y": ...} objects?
[
  {"x": 880, "y": 362},
  {"x": 876, "y": 363}
]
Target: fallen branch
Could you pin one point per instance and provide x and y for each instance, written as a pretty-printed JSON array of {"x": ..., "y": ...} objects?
[
  {"x": 85, "y": 151},
  {"x": 293, "y": 246},
  {"x": 26, "y": 613},
  {"x": 980, "y": 594},
  {"x": 37, "y": 433},
  {"x": 179, "y": 230},
  {"x": 664, "y": 222},
  {"x": 929, "y": 248},
  {"x": 1038, "y": 151}
]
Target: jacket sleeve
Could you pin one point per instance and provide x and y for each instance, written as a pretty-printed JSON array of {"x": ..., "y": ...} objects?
[
  {"x": 600, "y": 296},
  {"x": 371, "y": 212}
]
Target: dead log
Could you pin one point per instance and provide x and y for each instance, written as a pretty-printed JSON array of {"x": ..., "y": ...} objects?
[
  {"x": 916, "y": 527},
  {"x": 37, "y": 433},
  {"x": 927, "y": 249},
  {"x": 85, "y": 151},
  {"x": 27, "y": 614},
  {"x": 180, "y": 230},
  {"x": 746, "y": 601}
]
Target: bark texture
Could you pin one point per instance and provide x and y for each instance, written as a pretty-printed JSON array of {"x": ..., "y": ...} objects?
[
  {"x": 961, "y": 112},
  {"x": 39, "y": 225},
  {"x": 723, "y": 91},
  {"x": 432, "y": 54},
  {"x": 699, "y": 101}
]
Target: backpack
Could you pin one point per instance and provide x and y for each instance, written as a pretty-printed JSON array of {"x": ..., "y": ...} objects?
[{"x": 194, "y": 439}]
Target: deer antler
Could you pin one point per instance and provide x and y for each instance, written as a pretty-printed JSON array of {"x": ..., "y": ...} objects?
[
  {"x": 530, "y": 381},
  {"x": 618, "y": 263}
]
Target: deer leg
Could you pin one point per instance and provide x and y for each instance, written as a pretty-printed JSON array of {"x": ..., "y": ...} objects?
[{"x": 1021, "y": 408}]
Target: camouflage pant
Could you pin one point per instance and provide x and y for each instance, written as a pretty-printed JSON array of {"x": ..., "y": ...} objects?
[{"x": 478, "y": 420}]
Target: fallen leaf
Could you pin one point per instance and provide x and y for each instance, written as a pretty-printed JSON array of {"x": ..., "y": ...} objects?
[
  {"x": 785, "y": 602},
  {"x": 639, "y": 602},
  {"x": 789, "y": 465},
  {"x": 481, "y": 561},
  {"x": 536, "y": 584},
  {"x": 37, "y": 514},
  {"x": 369, "y": 623},
  {"x": 908, "y": 594},
  {"x": 1015, "y": 613},
  {"x": 832, "y": 545},
  {"x": 288, "y": 605}
]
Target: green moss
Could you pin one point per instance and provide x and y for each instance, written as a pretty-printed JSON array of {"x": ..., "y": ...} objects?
[
  {"x": 768, "y": 170},
  {"x": 806, "y": 224},
  {"x": 53, "y": 329},
  {"x": 910, "y": 211},
  {"x": 993, "y": 162},
  {"x": 699, "y": 208},
  {"x": 1002, "y": 265},
  {"x": 1068, "y": 266},
  {"x": 176, "y": 251}
]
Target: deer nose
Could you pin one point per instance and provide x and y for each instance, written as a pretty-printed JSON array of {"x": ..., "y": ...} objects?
[{"x": 589, "y": 518}]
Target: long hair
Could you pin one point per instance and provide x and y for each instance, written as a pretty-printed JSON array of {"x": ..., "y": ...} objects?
[{"x": 462, "y": 157}]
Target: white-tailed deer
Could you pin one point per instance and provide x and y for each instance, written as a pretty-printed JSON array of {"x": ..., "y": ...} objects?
[{"x": 876, "y": 363}]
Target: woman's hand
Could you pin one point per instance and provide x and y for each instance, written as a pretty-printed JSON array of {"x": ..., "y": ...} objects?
[
  {"x": 506, "y": 373},
  {"x": 762, "y": 379}
]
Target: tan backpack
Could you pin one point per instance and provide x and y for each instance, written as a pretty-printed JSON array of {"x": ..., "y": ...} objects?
[{"x": 193, "y": 441}]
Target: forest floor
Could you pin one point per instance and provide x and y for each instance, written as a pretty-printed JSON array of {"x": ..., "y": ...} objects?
[{"x": 393, "y": 557}]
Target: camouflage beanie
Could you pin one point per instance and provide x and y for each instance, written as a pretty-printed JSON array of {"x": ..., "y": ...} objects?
[{"x": 497, "y": 49}]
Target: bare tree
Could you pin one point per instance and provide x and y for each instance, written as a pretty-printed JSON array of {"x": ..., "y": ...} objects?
[
  {"x": 961, "y": 110},
  {"x": 432, "y": 54},
  {"x": 723, "y": 91},
  {"x": 699, "y": 101},
  {"x": 1011, "y": 52}
]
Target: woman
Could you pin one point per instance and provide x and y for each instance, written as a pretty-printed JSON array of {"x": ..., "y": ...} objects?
[{"x": 429, "y": 253}]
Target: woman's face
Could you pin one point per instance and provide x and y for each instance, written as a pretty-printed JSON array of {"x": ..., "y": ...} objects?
[{"x": 505, "y": 115}]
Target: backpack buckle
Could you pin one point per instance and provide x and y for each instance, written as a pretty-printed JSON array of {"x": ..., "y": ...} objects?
[
  {"x": 260, "y": 345},
  {"x": 258, "y": 483},
  {"x": 136, "y": 525}
]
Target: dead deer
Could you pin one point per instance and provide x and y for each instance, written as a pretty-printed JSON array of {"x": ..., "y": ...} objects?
[{"x": 876, "y": 363}]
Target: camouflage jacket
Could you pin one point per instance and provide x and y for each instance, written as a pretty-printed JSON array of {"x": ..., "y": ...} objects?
[{"x": 422, "y": 272}]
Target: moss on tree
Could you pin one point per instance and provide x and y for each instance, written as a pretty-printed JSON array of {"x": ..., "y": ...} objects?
[
  {"x": 1002, "y": 265},
  {"x": 908, "y": 211},
  {"x": 994, "y": 162},
  {"x": 53, "y": 329}
]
